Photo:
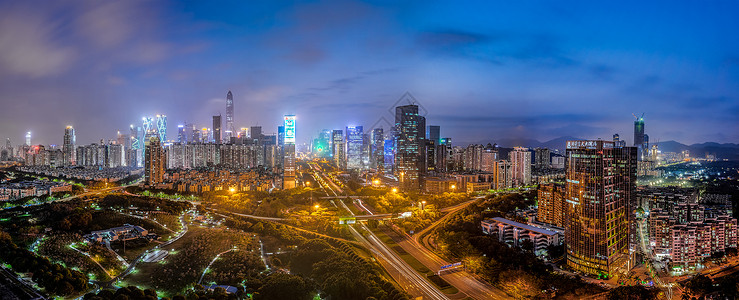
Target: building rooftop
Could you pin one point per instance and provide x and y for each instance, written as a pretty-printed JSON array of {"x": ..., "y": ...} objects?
[{"x": 523, "y": 226}]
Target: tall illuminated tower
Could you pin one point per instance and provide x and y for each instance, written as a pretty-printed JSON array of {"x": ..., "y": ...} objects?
[
  {"x": 162, "y": 128},
  {"x": 600, "y": 185},
  {"x": 354, "y": 143},
  {"x": 229, "y": 116},
  {"x": 68, "y": 146},
  {"x": 409, "y": 131},
  {"x": 28, "y": 139},
  {"x": 154, "y": 162},
  {"x": 288, "y": 175}
]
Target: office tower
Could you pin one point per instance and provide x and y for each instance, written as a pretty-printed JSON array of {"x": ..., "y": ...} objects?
[
  {"x": 255, "y": 133},
  {"x": 149, "y": 128},
  {"x": 473, "y": 158},
  {"x": 541, "y": 158},
  {"x": 616, "y": 138},
  {"x": 366, "y": 150},
  {"x": 601, "y": 182},
  {"x": 162, "y": 128},
  {"x": 354, "y": 147},
  {"x": 429, "y": 155},
  {"x": 551, "y": 204},
  {"x": 321, "y": 145},
  {"x": 377, "y": 150},
  {"x": 389, "y": 152},
  {"x": 288, "y": 175},
  {"x": 337, "y": 136},
  {"x": 136, "y": 157},
  {"x": 28, "y": 139},
  {"x": 217, "y": 137},
  {"x": 407, "y": 145},
  {"x": 338, "y": 148},
  {"x": 639, "y": 131},
  {"x": 229, "y": 116},
  {"x": 281, "y": 136},
  {"x": 181, "y": 134},
  {"x": 520, "y": 166},
  {"x": 154, "y": 162},
  {"x": 68, "y": 147},
  {"x": 434, "y": 133}
]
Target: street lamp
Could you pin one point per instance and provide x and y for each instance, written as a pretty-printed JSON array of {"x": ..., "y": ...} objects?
[
  {"x": 423, "y": 205},
  {"x": 453, "y": 187},
  {"x": 395, "y": 190},
  {"x": 232, "y": 190}
]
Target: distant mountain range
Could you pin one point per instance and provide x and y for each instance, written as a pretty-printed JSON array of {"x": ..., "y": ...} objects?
[{"x": 727, "y": 150}]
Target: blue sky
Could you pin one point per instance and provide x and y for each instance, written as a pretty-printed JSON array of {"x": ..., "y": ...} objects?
[{"x": 484, "y": 70}]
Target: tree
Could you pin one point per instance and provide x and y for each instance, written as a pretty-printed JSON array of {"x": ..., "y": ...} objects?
[
  {"x": 284, "y": 286},
  {"x": 700, "y": 285}
]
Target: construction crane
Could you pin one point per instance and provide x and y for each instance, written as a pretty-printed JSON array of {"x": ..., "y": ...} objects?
[{"x": 638, "y": 118}]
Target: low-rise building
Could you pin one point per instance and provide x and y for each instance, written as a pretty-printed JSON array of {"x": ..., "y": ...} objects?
[
  {"x": 515, "y": 234},
  {"x": 122, "y": 233}
]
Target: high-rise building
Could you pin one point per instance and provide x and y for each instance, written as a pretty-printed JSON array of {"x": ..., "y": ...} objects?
[
  {"x": 28, "y": 138},
  {"x": 638, "y": 132},
  {"x": 520, "y": 166},
  {"x": 601, "y": 182},
  {"x": 409, "y": 127},
  {"x": 68, "y": 147},
  {"x": 338, "y": 148},
  {"x": 149, "y": 128},
  {"x": 377, "y": 151},
  {"x": 551, "y": 204},
  {"x": 162, "y": 128},
  {"x": 255, "y": 133},
  {"x": 541, "y": 158},
  {"x": 217, "y": 136},
  {"x": 354, "y": 143},
  {"x": 230, "y": 130},
  {"x": 434, "y": 133},
  {"x": 182, "y": 134},
  {"x": 289, "y": 173},
  {"x": 489, "y": 157},
  {"x": 154, "y": 162}
]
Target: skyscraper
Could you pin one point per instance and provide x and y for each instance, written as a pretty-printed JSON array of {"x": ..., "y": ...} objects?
[
  {"x": 181, "y": 134},
  {"x": 377, "y": 151},
  {"x": 217, "y": 137},
  {"x": 408, "y": 139},
  {"x": 639, "y": 131},
  {"x": 68, "y": 147},
  {"x": 149, "y": 128},
  {"x": 288, "y": 175},
  {"x": 154, "y": 162},
  {"x": 434, "y": 134},
  {"x": 338, "y": 148},
  {"x": 255, "y": 132},
  {"x": 162, "y": 128},
  {"x": 354, "y": 147},
  {"x": 28, "y": 139},
  {"x": 601, "y": 181},
  {"x": 229, "y": 116}
]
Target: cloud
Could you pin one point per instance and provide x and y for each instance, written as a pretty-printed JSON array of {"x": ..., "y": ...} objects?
[{"x": 28, "y": 46}]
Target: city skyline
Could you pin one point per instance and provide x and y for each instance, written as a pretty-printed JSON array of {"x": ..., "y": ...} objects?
[{"x": 324, "y": 63}]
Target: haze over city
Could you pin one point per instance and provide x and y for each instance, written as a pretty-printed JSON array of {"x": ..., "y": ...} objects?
[{"x": 483, "y": 70}]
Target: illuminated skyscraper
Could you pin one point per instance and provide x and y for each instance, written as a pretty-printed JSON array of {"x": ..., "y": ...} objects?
[
  {"x": 229, "y": 116},
  {"x": 338, "y": 148},
  {"x": 288, "y": 175},
  {"x": 162, "y": 128},
  {"x": 377, "y": 155},
  {"x": 354, "y": 143},
  {"x": 600, "y": 185},
  {"x": 217, "y": 137},
  {"x": 68, "y": 147},
  {"x": 408, "y": 141},
  {"x": 149, "y": 128},
  {"x": 181, "y": 134},
  {"x": 520, "y": 166},
  {"x": 155, "y": 160},
  {"x": 639, "y": 131},
  {"x": 28, "y": 139}
]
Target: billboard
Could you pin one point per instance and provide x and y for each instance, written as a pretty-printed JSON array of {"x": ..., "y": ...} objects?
[{"x": 289, "y": 129}]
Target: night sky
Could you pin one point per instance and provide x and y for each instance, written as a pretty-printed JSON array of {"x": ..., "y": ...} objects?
[{"x": 483, "y": 70}]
